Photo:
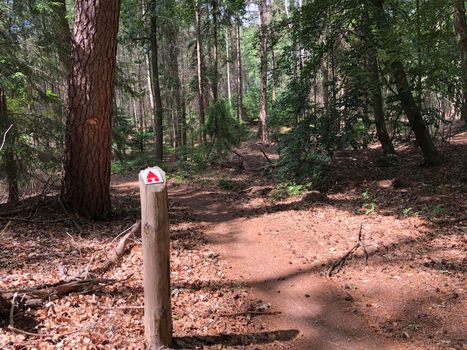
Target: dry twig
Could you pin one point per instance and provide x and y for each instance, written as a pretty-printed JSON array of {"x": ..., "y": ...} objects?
[
  {"x": 339, "y": 263},
  {"x": 264, "y": 154}
]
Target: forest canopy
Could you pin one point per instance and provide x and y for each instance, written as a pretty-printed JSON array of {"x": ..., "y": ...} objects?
[{"x": 193, "y": 78}]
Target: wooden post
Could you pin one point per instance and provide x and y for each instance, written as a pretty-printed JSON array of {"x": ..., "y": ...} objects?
[{"x": 156, "y": 258}]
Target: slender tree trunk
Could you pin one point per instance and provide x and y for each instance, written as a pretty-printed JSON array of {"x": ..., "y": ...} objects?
[
  {"x": 200, "y": 70},
  {"x": 461, "y": 29},
  {"x": 8, "y": 151},
  {"x": 215, "y": 72},
  {"x": 149, "y": 87},
  {"x": 413, "y": 113},
  {"x": 325, "y": 83},
  {"x": 377, "y": 102},
  {"x": 156, "y": 88},
  {"x": 274, "y": 68},
  {"x": 179, "y": 109},
  {"x": 63, "y": 34},
  {"x": 86, "y": 181},
  {"x": 240, "y": 107},
  {"x": 375, "y": 88},
  {"x": 227, "y": 58},
  {"x": 263, "y": 58}
]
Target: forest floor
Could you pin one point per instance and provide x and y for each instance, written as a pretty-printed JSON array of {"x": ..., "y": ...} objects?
[{"x": 250, "y": 270}]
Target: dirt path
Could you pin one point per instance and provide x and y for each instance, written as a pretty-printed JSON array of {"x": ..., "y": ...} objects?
[
  {"x": 236, "y": 250},
  {"x": 259, "y": 257},
  {"x": 281, "y": 252}
]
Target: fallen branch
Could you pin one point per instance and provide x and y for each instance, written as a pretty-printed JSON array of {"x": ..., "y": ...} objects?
[
  {"x": 5, "y": 228},
  {"x": 14, "y": 211},
  {"x": 342, "y": 260},
  {"x": 81, "y": 283},
  {"x": 36, "y": 296},
  {"x": 238, "y": 154},
  {"x": 264, "y": 154},
  {"x": 450, "y": 221},
  {"x": 250, "y": 313},
  {"x": 119, "y": 251},
  {"x": 124, "y": 307},
  {"x": 47, "y": 335}
]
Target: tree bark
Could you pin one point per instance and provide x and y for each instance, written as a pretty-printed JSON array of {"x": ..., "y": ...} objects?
[
  {"x": 156, "y": 89},
  {"x": 461, "y": 29},
  {"x": 64, "y": 35},
  {"x": 215, "y": 71},
  {"x": 8, "y": 150},
  {"x": 240, "y": 107},
  {"x": 175, "y": 76},
  {"x": 377, "y": 102},
  {"x": 263, "y": 58},
  {"x": 227, "y": 60},
  {"x": 408, "y": 103},
  {"x": 375, "y": 87},
  {"x": 200, "y": 70},
  {"x": 85, "y": 187}
]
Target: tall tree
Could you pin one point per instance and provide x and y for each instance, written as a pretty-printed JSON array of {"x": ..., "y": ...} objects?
[
  {"x": 461, "y": 29},
  {"x": 215, "y": 48},
  {"x": 85, "y": 187},
  {"x": 408, "y": 103},
  {"x": 263, "y": 59},
  {"x": 238, "y": 52},
  {"x": 156, "y": 88},
  {"x": 375, "y": 85},
  {"x": 8, "y": 150},
  {"x": 200, "y": 70}
]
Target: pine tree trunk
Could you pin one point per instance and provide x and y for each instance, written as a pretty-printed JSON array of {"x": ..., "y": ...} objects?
[
  {"x": 240, "y": 108},
  {"x": 408, "y": 103},
  {"x": 156, "y": 88},
  {"x": 8, "y": 150},
  {"x": 85, "y": 188},
  {"x": 215, "y": 71},
  {"x": 200, "y": 70},
  {"x": 263, "y": 103},
  {"x": 461, "y": 29}
]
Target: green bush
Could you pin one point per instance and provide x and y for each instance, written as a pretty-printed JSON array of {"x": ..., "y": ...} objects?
[
  {"x": 301, "y": 157},
  {"x": 221, "y": 127}
]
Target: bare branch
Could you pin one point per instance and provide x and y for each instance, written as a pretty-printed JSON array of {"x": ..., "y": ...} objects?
[{"x": 4, "y": 136}]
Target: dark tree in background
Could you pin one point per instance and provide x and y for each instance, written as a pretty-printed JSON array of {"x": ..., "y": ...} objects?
[
  {"x": 8, "y": 150},
  {"x": 156, "y": 89},
  {"x": 85, "y": 187},
  {"x": 460, "y": 22}
]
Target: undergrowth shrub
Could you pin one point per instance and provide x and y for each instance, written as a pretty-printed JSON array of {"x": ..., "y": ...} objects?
[{"x": 221, "y": 127}]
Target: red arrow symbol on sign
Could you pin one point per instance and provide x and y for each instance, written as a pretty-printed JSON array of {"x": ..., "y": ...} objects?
[{"x": 151, "y": 177}]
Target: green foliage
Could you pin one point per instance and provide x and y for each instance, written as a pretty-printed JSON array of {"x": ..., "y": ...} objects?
[
  {"x": 279, "y": 192},
  {"x": 301, "y": 155},
  {"x": 221, "y": 127},
  {"x": 134, "y": 163},
  {"x": 409, "y": 212},
  {"x": 369, "y": 206},
  {"x": 284, "y": 190},
  {"x": 228, "y": 185}
]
